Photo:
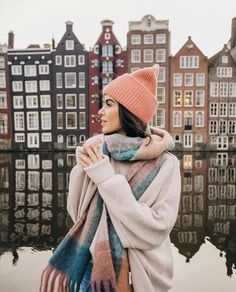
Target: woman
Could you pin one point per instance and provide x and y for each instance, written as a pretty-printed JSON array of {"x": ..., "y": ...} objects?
[{"x": 123, "y": 197}]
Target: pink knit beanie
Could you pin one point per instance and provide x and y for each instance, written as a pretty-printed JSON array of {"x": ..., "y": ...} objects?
[{"x": 136, "y": 92}]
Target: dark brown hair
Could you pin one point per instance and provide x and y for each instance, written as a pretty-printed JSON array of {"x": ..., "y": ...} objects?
[{"x": 132, "y": 125}]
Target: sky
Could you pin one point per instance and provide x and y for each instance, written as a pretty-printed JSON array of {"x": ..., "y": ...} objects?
[{"x": 208, "y": 22}]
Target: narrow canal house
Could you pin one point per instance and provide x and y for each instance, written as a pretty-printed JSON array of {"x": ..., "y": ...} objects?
[
  {"x": 148, "y": 43},
  {"x": 70, "y": 91},
  {"x": 188, "y": 95},
  {"x": 30, "y": 73},
  {"x": 5, "y": 110},
  {"x": 107, "y": 61}
]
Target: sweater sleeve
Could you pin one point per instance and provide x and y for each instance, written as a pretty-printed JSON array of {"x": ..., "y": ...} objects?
[{"x": 142, "y": 224}]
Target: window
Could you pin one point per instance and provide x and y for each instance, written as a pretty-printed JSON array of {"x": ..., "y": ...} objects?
[
  {"x": 18, "y": 101},
  {"x": 224, "y": 59},
  {"x": 223, "y": 109},
  {"x": 46, "y": 121},
  {"x": 59, "y": 120},
  {"x": 32, "y": 121},
  {"x": 223, "y": 89},
  {"x": 45, "y": 101},
  {"x": 160, "y": 38},
  {"x": 198, "y": 138},
  {"x": 136, "y": 39},
  {"x": 189, "y": 61},
  {"x": 188, "y": 98},
  {"x": 214, "y": 89},
  {"x": 31, "y": 86},
  {"x": 232, "y": 109},
  {"x": 16, "y": 70},
  {"x": 148, "y": 56},
  {"x": 160, "y": 55},
  {"x": 161, "y": 94},
  {"x": 46, "y": 137},
  {"x": 135, "y": 56},
  {"x": 177, "y": 79},
  {"x": 19, "y": 138},
  {"x": 2, "y": 62},
  {"x": 148, "y": 39},
  {"x": 160, "y": 118},
  {"x": 213, "y": 127},
  {"x": 69, "y": 61},
  {"x": 19, "y": 121},
  {"x": 70, "y": 45},
  {"x": 200, "y": 79},
  {"x": 43, "y": 69},
  {"x": 222, "y": 143},
  {"x": 59, "y": 101},
  {"x": 107, "y": 50},
  {"x": 58, "y": 60},
  {"x": 30, "y": 70},
  {"x": 188, "y": 79},
  {"x": 3, "y": 123},
  {"x": 71, "y": 141},
  {"x": 232, "y": 89},
  {"x": 59, "y": 80},
  {"x": 70, "y": 101},
  {"x": 213, "y": 109},
  {"x": 188, "y": 140},
  {"x": 82, "y": 120},
  {"x": 82, "y": 139},
  {"x": 188, "y": 120},
  {"x": 107, "y": 67},
  {"x": 70, "y": 80},
  {"x": 177, "y": 98},
  {"x": 33, "y": 142},
  {"x": 224, "y": 71},
  {"x": 177, "y": 119},
  {"x": 231, "y": 127},
  {"x": 81, "y": 80},
  {"x": 222, "y": 127},
  {"x": 199, "y": 119},
  {"x": 200, "y": 98},
  {"x": 81, "y": 100},
  {"x": 31, "y": 101},
  {"x": 44, "y": 85},
  {"x": 2, "y": 79},
  {"x": 162, "y": 74},
  {"x": 3, "y": 99},
  {"x": 133, "y": 69},
  {"x": 71, "y": 120},
  {"x": 81, "y": 60}
]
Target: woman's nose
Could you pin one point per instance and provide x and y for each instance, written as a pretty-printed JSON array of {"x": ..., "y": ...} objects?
[{"x": 101, "y": 111}]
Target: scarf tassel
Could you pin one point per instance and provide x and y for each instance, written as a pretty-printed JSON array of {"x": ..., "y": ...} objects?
[{"x": 104, "y": 286}]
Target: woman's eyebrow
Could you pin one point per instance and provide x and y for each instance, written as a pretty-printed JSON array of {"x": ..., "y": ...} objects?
[{"x": 105, "y": 100}]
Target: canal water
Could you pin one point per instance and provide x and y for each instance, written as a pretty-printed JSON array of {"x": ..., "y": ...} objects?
[{"x": 33, "y": 219}]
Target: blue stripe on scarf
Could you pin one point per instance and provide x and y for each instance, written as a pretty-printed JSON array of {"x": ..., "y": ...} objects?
[
  {"x": 124, "y": 155},
  {"x": 145, "y": 183}
]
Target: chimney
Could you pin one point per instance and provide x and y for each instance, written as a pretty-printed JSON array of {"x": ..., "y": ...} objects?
[
  {"x": 69, "y": 26},
  {"x": 53, "y": 43},
  {"x": 11, "y": 40},
  {"x": 233, "y": 33}
]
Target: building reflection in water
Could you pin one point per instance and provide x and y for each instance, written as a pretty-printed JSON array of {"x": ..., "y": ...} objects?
[{"x": 33, "y": 195}]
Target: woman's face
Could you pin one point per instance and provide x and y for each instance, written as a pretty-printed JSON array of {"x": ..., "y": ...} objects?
[{"x": 109, "y": 115}]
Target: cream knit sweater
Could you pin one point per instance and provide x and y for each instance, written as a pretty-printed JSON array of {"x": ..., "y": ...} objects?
[{"x": 143, "y": 226}]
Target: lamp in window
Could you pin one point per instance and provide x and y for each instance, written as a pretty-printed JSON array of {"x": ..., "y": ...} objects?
[{"x": 187, "y": 99}]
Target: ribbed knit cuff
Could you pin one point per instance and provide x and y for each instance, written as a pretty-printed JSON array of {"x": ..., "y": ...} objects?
[{"x": 100, "y": 171}]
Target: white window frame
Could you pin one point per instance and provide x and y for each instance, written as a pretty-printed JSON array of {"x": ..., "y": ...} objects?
[
  {"x": 162, "y": 74},
  {"x": 70, "y": 45},
  {"x": 32, "y": 101},
  {"x": 44, "y": 85},
  {"x": 33, "y": 136},
  {"x": 30, "y": 70},
  {"x": 46, "y": 120},
  {"x": 69, "y": 61},
  {"x": 161, "y": 94},
  {"x": 189, "y": 62},
  {"x": 135, "y": 39},
  {"x": 135, "y": 56},
  {"x": 46, "y": 137},
  {"x": 177, "y": 94},
  {"x": 19, "y": 137},
  {"x": 75, "y": 115},
  {"x": 67, "y": 74},
  {"x": 199, "y": 125},
  {"x": 59, "y": 80},
  {"x": 148, "y": 39},
  {"x": 17, "y": 86},
  {"x": 82, "y": 101},
  {"x": 31, "y": 86},
  {"x": 43, "y": 69},
  {"x": 82, "y": 117},
  {"x": 148, "y": 55},
  {"x": 200, "y": 79},
  {"x": 81, "y": 80},
  {"x": 75, "y": 100},
  {"x": 188, "y": 140},
  {"x": 45, "y": 101},
  {"x": 81, "y": 60},
  {"x": 2, "y": 79},
  {"x": 179, "y": 124},
  {"x": 3, "y": 99},
  {"x": 188, "y": 79},
  {"x": 214, "y": 89},
  {"x": 58, "y": 60},
  {"x": 36, "y": 120},
  {"x": 16, "y": 70},
  {"x": 160, "y": 55},
  {"x": 200, "y": 98},
  {"x": 21, "y": 116},
  {"x": 177, "y": 79},
  {"x": 160, "y": 38}
]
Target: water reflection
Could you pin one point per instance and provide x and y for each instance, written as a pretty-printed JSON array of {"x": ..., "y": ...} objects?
[{"x": 33, "y": 194}]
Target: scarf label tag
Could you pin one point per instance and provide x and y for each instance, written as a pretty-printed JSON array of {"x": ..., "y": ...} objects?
[{"x": 130, "y": 278}]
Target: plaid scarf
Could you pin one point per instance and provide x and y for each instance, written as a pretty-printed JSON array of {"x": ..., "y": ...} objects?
[{"x": 68, "y": 264}]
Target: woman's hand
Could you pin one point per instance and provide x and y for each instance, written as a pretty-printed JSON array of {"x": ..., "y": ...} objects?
[{"x": 90, "y": 153}]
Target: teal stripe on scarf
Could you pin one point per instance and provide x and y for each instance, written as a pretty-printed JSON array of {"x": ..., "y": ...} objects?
[
  {"x": 124, "y": 155},
  {"x": 145, "y": 183}
]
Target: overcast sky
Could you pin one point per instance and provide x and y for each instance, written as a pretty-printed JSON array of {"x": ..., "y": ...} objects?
[{"x": 36, "y": 21}]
